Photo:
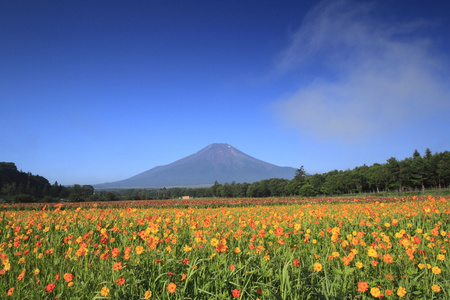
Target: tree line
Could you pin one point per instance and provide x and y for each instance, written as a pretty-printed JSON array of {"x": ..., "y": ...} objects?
[
  {"x": 21, "y": 187},
  {"x": 416, "y": 173},
  {"x": 430, "y": 171}
]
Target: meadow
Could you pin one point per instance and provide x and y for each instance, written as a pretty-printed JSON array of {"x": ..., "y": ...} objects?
[{"x": 333, "y": 248}]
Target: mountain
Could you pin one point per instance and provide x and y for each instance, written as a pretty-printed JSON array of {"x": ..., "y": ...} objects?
[{"x": 220, "y": 162}]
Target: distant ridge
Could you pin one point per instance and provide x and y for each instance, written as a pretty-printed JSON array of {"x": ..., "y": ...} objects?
[{"x": 216, "y": 162}]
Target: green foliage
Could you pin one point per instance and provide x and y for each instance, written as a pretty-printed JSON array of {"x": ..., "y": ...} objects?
[
  {"x": 416, "y": 173},
  {"x": 20, "y": 187}
]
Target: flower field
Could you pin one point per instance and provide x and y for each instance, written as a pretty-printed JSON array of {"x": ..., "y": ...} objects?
[{"x": 280, "y": 249}]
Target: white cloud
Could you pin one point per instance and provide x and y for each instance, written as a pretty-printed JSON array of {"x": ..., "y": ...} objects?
[{"x": 372, "y": 77}]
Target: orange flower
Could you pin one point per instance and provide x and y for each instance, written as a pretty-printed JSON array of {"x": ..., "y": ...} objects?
[
  {"x": 172, "y": 287},
  {"x": 68, "y": 277},
  {"x": 436, "y": 288},
  {"x": 387, "y": 258},
  {"x": 296, "y": 262},
  {"x": 115, "y": 252},
  {"x": 120, "y": 281},
  {"x": 117, "y": 266},
  {"x": 20, "y": 277},
  {"x": 279, "y": 231},
  {"x": 363, "y": 286},
  {"x": 104, "y": 291},
  {"x": 10, "y": 291},
  {"x": 147, "y": 294}
]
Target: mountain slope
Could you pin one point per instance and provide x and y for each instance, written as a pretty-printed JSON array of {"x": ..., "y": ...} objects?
[{"x": 220, "y": 162}]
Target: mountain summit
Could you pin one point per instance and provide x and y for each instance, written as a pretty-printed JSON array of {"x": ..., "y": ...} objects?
[{"x": 221, "y": 162}]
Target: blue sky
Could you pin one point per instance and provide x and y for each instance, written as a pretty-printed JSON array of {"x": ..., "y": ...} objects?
[{"x": 99, "y": 91}]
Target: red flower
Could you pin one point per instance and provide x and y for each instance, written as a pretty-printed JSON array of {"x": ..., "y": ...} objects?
[
  {"x": 296, "y": 262},
  {"x": 115, "y": 252},
  {"x": 186, "y": 261},
  {"x": 236, "y": 293},
  {"x": 279, "y": 231},
  {"x": 120, "y": 281},
  {"x": 50, "y": 287},
  {"x": 259, "y": 291}
]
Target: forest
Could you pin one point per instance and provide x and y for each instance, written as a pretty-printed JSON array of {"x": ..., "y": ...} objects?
[{"x": 416, "y": 173}]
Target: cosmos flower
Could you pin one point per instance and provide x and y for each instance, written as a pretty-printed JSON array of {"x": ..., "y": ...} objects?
[
  {"x": 317, "y": 267},
  {"x": 236, "y": 293},
  {"x": 50, "y": 287},
  {"x": 363, "y": 287},
  {"x": 171, "y": 287},
  {"x": 104, "y": 291}
]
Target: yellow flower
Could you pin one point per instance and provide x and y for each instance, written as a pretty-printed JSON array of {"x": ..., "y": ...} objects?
[
  {"x": 186, "y": 248},
  {"x": 436, "y": 288},
  {"x": 436, "y": 270},
  {"x": 147, "y": 294},
  {"x": 359, "y": 265},
  {"x": 335, "y": 254},
  {"x": 421, "y": 266},
  {"x": 237, "y": 250},
  {"x": 36, "y": 272},
  {"x": 317, "y": 267},
  {"x": 441, "y": 257},
  {"x": 372, "y": 252},
  {"x": 214, "y": 242},
  {"x": 139, "y": 249},
  {"x": 104, "y": 291},
  {"x": 70, "y": 284},
  {"x": 375, "y": 292},
  {"x": 401, "y": 292}
]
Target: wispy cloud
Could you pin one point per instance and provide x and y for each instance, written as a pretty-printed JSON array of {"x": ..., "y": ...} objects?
[{"x": 370, "y": 77}]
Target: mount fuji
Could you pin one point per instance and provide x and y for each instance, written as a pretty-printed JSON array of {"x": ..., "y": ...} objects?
[{"x": 217, "y": 162}]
